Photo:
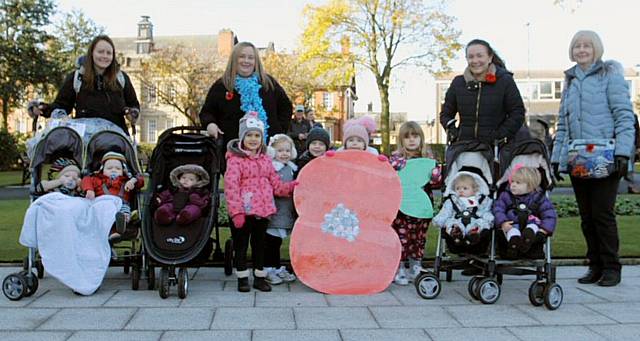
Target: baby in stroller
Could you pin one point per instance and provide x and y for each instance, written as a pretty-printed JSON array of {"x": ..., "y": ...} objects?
[
  {"x": 67, "y": 181},
  {"x": 524, "y": 213},
  {"x": 114, "y": 178},
  {"x": 185, "y": 202},
  {"x": 466, "y": 210}
]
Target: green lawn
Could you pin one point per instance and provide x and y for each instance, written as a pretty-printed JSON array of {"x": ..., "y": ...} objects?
[
  {"x": 568, "y": 241},
  {"x": 10, "y": 178}
]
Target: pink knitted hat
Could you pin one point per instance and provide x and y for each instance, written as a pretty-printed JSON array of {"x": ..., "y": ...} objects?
[{"x": 361, "y": 127}]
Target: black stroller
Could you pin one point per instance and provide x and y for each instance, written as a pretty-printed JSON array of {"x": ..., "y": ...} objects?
[
  {"x": 58, "y": 142},
  {"x": 99, "y": 144},
  {"x": 171, "y": 247},
  {"x": 475, "y": 158},
  {"x": 533, "y": 153}
]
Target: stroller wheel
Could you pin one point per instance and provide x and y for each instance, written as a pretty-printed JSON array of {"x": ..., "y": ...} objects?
[
  {"x": 14, "y": 287},
  {"x": 228, "y": 257},
  {"x": 40, "y": 268},
  {"x": 536, "y": 293},
  {"x": 127, "y": 262},
  {"x": 135, "y": 276},
  {"x": 163, "y": 289},
  {"x": 151, "y": 278},
  {"x": 183, "y": 283},
  {"x": 553, "y": 296},
  {"x": 488, "y": 291},
  {"x": 473, "y": 286},
  {"x": 428, "y": 286},
  {"x": 32, "y": 282}
]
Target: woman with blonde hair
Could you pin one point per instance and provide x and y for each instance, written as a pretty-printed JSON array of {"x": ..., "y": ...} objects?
[
  {"x": 245, "y": 87},
  {"x": 595, "y": 107}
]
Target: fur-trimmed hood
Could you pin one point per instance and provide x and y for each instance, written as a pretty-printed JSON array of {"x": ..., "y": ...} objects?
[
  {"x": 190, "y": 168},
  {"x": 483, "y": 187}
]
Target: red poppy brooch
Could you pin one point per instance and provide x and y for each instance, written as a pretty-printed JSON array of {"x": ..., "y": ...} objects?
[
  {"x": 228, "y": 95},
  {"x": 490, "y": 78}
]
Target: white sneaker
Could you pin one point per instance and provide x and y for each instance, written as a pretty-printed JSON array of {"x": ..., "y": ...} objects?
[
  {"x": 285, "y": 275},
  {"x": 401, "y": 276},
  {"x": 272, "y": 276},
  {"x": 414, "y": 272}
]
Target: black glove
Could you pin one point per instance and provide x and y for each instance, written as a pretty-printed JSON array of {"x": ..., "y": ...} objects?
[
  {"x": 452, "y": 133},
  {"x": 556, "y": 171},
  {"x": 622, "y": 164}
]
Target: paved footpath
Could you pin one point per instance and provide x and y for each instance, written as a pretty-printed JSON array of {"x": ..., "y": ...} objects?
[{"x": 215, "y": 311}]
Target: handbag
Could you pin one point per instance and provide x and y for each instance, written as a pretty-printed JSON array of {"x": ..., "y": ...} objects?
[{"x": 592, "y": 158}]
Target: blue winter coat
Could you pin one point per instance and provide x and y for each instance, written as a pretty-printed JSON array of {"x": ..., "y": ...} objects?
[
  {"x": 503, "y": 210},
  {"x": 595, "y": 105}
]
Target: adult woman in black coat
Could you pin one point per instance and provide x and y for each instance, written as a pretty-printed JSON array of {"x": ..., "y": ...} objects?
[
  {"x": 105, "y": 91},
  {"x": 244, "y": 87},
  {"x": 485, "y": 98}
]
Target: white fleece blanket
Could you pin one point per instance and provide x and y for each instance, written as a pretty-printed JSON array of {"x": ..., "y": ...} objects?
[{"x": 72, "y": 237}]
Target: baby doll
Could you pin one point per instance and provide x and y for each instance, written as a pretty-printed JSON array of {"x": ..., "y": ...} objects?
[
  {"x": 67, "y": 181},
  {"x": 523, "y": 212},
  {"x": 114, "y": 178},
  {"x": 185, "y": 203}
]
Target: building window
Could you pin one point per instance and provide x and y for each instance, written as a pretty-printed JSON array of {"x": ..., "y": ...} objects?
[
  {"x": 557, "y": 85},
  {"x": 169, "y": 123},
  {"x": 546, "y": 90},
  {"x": 327, "y": 101},
  {"x": 151, "y": 94},
  {"x": 152, "y": 131}
]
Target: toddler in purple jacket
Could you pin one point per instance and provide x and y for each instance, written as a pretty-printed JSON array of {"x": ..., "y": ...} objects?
[
  {"x": 523, "y": 211},
  {"x": 187, "y": 200}
]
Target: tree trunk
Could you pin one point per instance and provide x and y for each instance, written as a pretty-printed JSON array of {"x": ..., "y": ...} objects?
[
  {"x": 384, "y": 117},
  {"x": 5, "y": 114}
]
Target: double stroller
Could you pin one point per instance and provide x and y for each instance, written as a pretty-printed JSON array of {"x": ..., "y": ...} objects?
[
  {"x": 176, "y": 247},
  {"x": 479, "y": 158},
  {"x": 85, "y": 141}
]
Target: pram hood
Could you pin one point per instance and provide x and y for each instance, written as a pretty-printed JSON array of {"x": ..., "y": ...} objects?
[
  {"x": 483, "y": 186},
  {"x": 110, "y": 141},
  {"x": 528, "y": 153}
]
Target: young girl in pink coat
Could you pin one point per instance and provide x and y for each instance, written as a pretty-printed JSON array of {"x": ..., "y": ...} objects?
[{"x": 250, "y": 185}]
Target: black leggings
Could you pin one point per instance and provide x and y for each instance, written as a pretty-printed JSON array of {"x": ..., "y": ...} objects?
[
  {"x": 596, "y": 202},
  {"x": 254, "y": 228},
  {"x": 272, "y": 251}
]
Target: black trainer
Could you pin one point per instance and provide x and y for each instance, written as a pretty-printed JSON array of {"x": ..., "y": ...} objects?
[
  {"x": 528, "y": 238},
  {"x": 609, "y": 278},
  {"x": 243, "y": 284},
  {"x": 592, "y": 275},
  {"x": 513, "y": 247}
]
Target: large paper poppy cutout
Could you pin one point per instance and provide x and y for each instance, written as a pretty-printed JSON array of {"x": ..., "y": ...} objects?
[{"x": 342, "y": 242}]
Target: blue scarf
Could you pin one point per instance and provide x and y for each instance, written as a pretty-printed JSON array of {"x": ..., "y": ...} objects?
[{"x": 250, "y": 100}]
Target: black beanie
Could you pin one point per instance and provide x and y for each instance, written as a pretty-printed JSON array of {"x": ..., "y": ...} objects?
[{"x": 318, "y": 134}]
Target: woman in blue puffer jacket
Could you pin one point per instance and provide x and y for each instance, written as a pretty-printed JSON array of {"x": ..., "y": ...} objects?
[{"x": 596, "y": 105}]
